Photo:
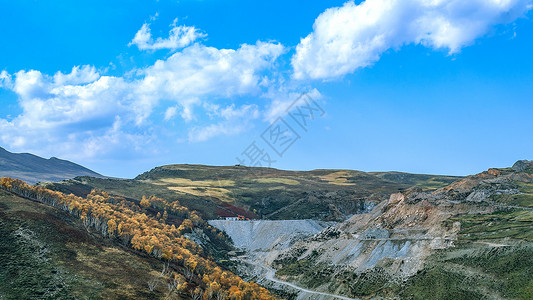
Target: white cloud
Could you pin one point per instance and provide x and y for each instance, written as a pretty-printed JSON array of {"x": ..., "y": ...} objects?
[
  {"x": 234, "y": 121},
  {"x": 355, "y": 36},
  {"x": 66, "y": 114},
  {"x": 5, "y": 80},
  {"x": 47, "y": 103},
  {"x": 154, "y": 17},
  {"x": 188, "y": 107},
  {"x": 84, "y": 114},
  {"x": 281, "y": 101},
  {"x": 78, "y": 75},
  {"x": 170, "y": 113},
  {"x": 199, "y": 72},
  {"x": 179, "y": 37}
]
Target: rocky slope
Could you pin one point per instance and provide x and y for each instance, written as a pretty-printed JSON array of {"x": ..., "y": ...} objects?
[
  {"x": 417, "y": 245},
  {"x": 33, "y": 169},
  {"x": 261, "y": 235}
]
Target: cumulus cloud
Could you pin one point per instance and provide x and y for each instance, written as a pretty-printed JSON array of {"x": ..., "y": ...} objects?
[
  {"x": 355, "y": 36},
  {"x": 200, "y": 71},
  {"x": 65, "y": 113},
  {"x": 62, "y": 99},
  {"x": 78, "y": 75},
  {"x": 179, "y": 37},
  {"x": 83, "y": 113}
]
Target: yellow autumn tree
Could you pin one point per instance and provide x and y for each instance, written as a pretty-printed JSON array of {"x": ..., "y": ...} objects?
[
  {"x": 111, "y": 226},
  {"x": 145, "y": 202}
]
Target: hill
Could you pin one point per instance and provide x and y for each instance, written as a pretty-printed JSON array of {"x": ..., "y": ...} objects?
[
  {"x": 259, "y": 193},
  {"x": 190, "y": 270},
  {"x": 33, "y": 169},
  {"x": 46, "y": 253}
]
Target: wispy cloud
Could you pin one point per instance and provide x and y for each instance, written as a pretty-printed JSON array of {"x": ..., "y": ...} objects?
[
  {"x": 179, "y": 37},
  {"x": 171, "y": 112},
  {"x": 234, "y": 120},
  {"x": 5, "y": 80}
]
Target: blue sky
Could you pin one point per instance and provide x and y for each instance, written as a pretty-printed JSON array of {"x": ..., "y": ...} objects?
[{"x": 123, "y": 86}]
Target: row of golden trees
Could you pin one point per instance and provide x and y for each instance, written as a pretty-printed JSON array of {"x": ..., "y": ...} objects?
[{"x": 125, "y": 220}]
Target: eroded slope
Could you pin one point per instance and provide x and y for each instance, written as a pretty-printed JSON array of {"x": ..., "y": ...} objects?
[{"x": 469, "y": 240}]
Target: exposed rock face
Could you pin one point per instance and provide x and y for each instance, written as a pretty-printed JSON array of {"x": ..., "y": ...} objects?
[
  {"x": 265, "y": 234},
  {"x": 523, "y": 165},
  {"x": 395, "y": 237},
  {"x": 263, "y": 241},
  {"x": 479, "y": 187}
]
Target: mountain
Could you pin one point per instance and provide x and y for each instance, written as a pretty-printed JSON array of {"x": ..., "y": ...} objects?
[{"x": 33, "y": 169}]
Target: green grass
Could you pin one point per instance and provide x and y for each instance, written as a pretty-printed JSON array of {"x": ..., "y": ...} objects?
[
  {"x": 523, "y": 199},
  {"x": 426, "y": 182},
  {"x": 319, "y": 194},
  {"x": 277, "y": 181},
  {"x": 470, "y": 271},
  {"x": 493, "y": 258},
  {"x": 27, "y": 271},
  {"x": 342, "y": 280},
  {"x": 515, "y": 224}
]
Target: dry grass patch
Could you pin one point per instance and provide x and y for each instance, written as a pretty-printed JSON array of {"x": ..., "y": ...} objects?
[
  {"x": 203, "y": 183},
  {"x": 279, "y": 180},
  {"x": 218, "y": 193},
  {"x": 338, "y": 178}
]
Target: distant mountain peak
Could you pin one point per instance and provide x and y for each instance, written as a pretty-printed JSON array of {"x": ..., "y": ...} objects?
[{"x": 32, "y": 168}]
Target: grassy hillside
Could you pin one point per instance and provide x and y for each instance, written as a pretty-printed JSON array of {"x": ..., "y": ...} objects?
[
  {"x": 257, "y": 192},
  {"x": 46, "y": 253},
  {"x": 190, "y": 270},
  {"x": 492, "y": 259},
  {"x": 485, "y": 269},
  {"x": 58, "y": 257},
  {"x": 426, "y": 182}
]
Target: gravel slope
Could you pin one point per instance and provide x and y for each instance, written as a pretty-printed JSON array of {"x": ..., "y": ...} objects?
[{"x": 266, "y": 234}]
